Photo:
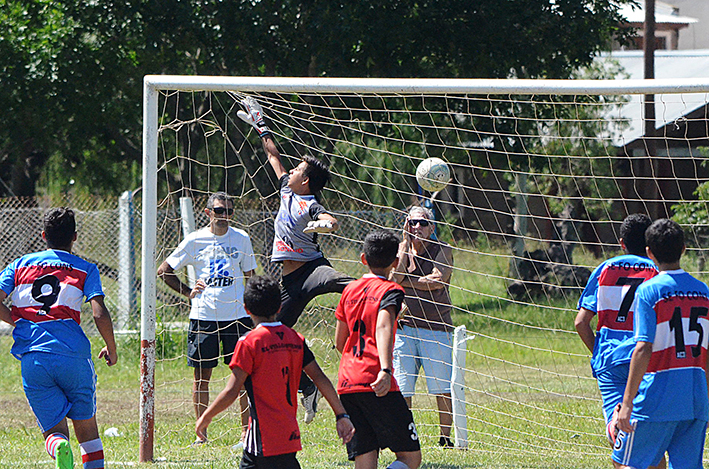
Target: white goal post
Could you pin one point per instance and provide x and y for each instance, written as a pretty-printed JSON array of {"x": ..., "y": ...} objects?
[{"x": 526, "y": 220}]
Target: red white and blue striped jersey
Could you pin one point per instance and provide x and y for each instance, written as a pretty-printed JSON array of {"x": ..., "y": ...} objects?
[
  {"x": 672, "y": 314},
  {"x": 610, "y": 293},
  {"x": 47, "y": 290}
]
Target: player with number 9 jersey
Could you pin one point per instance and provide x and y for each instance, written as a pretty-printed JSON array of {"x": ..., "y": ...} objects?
[{"x": 47, "y": 289}]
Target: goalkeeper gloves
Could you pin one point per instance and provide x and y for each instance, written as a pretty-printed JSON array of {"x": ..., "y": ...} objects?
[
  {"x": 319, "y": 226},
  {"x": 254, "y": 116}
]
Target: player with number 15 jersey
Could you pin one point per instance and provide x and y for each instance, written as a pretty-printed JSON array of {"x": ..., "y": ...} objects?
[{"x": 672, "y": 314}]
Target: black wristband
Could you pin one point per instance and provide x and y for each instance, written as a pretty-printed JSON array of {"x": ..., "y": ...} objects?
[
  {"x": 387, "y": 370},
  {"x": 341, "y": 416}
]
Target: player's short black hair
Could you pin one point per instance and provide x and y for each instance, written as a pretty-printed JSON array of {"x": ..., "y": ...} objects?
[
  {"x": 59, "y": 227},
  {"x": 665, "y": 238},
  {"x": 222, "y": 196},
  {"x": 381, "y": 248},
  {"x": 317, "y": 172},
  {"x": 632, "y": 230},
  {"x": 262, "y": 296}
]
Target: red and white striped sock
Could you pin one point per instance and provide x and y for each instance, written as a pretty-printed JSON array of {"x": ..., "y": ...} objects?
[
  {"x": 92, "y": 454},
  {"x": 51, "y": 443}
]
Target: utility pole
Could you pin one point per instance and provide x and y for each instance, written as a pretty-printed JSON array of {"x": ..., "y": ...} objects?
[{"x": 656, "y": 207}]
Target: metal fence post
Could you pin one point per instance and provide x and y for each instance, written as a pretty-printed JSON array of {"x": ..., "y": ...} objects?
[
  {"x": 126, "y": 262},
  {"x": 187, "y": 218}
]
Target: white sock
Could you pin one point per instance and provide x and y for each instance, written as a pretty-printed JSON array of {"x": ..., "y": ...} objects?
[
  {"x": 397, "y": 465},
  {"x": 92, "y": 454}
]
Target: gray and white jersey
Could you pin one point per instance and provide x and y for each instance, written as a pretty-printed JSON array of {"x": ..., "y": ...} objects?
[{"x": 294, "y": 213}]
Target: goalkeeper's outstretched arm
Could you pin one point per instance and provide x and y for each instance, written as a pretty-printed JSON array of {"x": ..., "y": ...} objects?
[
  {"x": 274, "y": 156},
  {"x": 253, "y": 115}
]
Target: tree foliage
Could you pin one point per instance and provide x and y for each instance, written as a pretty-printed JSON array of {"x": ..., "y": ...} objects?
[{"x": 72, "y": 70}]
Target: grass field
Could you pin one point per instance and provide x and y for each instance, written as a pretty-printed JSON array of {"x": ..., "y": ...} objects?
[{"x": 531, "y": 402}]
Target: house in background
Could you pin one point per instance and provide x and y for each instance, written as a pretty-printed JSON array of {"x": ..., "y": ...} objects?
[
  {"x": 681, "y": 129},
  {"x": 668, "y": 24},
  {"x": 696, "y": 35}
]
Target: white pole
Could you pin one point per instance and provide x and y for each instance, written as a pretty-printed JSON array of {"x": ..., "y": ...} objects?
[
  {"x": 126, "y": 263},
  {"x": 147, "y": 299},
  {"x": 460, "y": 418},
  {"x": 427, "y": 85},
  {"x": 187, "y": 217}
]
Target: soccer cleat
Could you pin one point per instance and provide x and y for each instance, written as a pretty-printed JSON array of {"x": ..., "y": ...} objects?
[
  {"x": 63, "y": 458},
  {"x": 310, "y": 404},
  {"x": 445, "y": 442}
]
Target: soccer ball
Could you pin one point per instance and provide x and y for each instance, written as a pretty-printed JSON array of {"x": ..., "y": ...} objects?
[{"x": 433, "y": 174}]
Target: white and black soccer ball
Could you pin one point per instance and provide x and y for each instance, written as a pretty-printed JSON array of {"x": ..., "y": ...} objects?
[{"x": 433, "y": 174}]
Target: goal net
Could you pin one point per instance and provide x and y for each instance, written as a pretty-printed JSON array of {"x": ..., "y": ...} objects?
[{"x": 543, "y": 172}]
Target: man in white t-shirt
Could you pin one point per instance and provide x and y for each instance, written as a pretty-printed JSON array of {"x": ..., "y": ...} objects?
[{"x": 223, "y": 259}]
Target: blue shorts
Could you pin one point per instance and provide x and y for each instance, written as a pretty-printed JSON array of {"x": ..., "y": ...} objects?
[
  {"x": 612, "y": 382},
  {"x": 682, "y": 440},
  {"x": 58, "y": 386},
  {"x": 417, "y": 348}
]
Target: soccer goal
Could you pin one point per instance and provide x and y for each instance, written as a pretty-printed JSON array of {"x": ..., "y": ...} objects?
[{"x": 542, "y": 174}]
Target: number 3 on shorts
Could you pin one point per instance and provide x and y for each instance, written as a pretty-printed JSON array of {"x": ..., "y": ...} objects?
[{"x": 414, "y": 434}]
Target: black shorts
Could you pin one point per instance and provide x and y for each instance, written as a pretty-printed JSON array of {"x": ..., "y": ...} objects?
[
  {"x": 282, "y": 461},
  {"x": 204, "y": 337},
  {"x": 312, "y": 279},
  {"x": 380, "y": 422}
]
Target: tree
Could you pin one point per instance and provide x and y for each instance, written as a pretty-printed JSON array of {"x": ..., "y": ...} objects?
[{"x": 72, "y": 70}]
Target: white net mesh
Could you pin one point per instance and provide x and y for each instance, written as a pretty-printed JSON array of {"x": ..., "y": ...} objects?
[{"x": 540, "y": 185}]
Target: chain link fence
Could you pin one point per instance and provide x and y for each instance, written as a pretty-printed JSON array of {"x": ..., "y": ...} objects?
[{"x": 109, "y": 235}]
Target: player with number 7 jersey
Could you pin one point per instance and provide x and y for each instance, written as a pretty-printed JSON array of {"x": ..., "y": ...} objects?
[{"x": 609, "y": 295}]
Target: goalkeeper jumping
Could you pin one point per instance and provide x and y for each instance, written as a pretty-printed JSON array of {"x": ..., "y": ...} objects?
[{"x": 306, "y": 272}]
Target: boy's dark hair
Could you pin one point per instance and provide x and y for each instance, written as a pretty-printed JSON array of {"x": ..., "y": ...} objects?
[
  {"x": 262, "y": 296},
  {"x": 665, "y": 238},
  {"x": 222, "y": 196},
  {"x": 317, "y": 172},
  {"x": 632, "y": 230},
  {"x": 59, "y": 227},
  {"x": 380, "y": 248}
]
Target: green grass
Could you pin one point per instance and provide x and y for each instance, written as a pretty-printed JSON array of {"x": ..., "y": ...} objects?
[{"x": 531, "y": 401}]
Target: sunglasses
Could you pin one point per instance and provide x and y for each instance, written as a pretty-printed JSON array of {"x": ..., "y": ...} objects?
[
  {"x": 423, "y": 223},
  {"x": 221, "y": 210}
]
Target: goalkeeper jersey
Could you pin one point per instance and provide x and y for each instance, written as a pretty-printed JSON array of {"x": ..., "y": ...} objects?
[
  {"x": 610, "y": 293},
  {"x": 273, "y": 355},
  {"x": 672, "y": 314},
  {"x": 47, "y": 289},
  {"x": 294, "y": 213}
]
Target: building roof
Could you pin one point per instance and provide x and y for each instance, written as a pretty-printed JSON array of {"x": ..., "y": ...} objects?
[
  {"x": 664, "y": 14},
  {"x": 669, "y": 64}
]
